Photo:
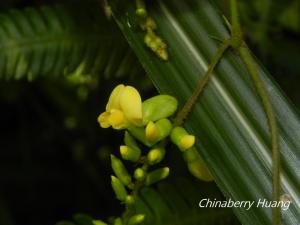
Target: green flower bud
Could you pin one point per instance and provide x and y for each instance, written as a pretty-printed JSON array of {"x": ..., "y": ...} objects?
[
  {"x": 155, "y": 132},
  {"x": 182, "y": 139},
  {"x": 158, "y": 107},
  {"x": 152, "y": 132},
  {"x": 141, "y": 12},
  {"x": 118, "y": 188},
  {"x": 118, "y": 221},
  {"x": 130, "y": 141},
  {"x": 157, "y": 175},
  {"x": 129, "y": 200},
  {"x": 156, "y": 155},
  {"x": 190, "y": 155},
  {"x": 139, "y": 134},
  {"x": 130, "y": 154},
  {"x": 196, "y": 165},
  {"x": 99, "y": 222},
  {"x": 120, "y": 170},
  {"x": 139, "y": 174},
  {"x": 136, "y": 219}
]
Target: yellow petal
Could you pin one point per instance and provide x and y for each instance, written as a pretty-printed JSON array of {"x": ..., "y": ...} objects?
[
  {"x": 117, "y": 119},
  {"x": 103, "y": 120},
  {"x": 131, "y": 105},
  {"x": 152, "y": 132},
  {"x": 187, "y": 141},
  {"x": 113, "y": 101}
]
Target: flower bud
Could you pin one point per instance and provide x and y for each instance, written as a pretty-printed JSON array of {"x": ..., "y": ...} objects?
[
  {"x": 99, "y": 222},
  {"x": 157, "y": 175},
  {"x": 118, "y": 221},
  {"x": 156, "y": 155},
  {"x": 130, "y": 141},
  {"x": 155, "y": 132},
  {"x": 196, "y": 165},
  {"x": 130, "y": 154},
  {"x": 120, "y": 170},
  {"x": 158, "y": 107},
  {"x": 118, "y": 188},
  {"x": 152, "y": 132},
  {"x": 139, "y": 134},
  {"x": 139, "y": 174},
  {"x": 129, "y": 200},
  {"x": 136, "y": 219},
  {"x": 182, "y": 139}
]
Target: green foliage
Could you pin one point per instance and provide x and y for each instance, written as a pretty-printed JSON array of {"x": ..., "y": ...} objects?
[
  {"x": 176, "y": 203},
  {"x": 56, "y": 40}
]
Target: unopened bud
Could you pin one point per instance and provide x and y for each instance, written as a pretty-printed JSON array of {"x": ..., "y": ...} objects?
[
  {"x": 156, "y": 155},
  {"x": 136, "y": 219},
  {"x": 118, "y": 188},
  {"x": 182, "y": 139},
  {"x": 139, "y": 174},
  {"x": 118, "y": 221},
  {"x": 130, "y": 154},
  {"x": 120, "y": 170},
  {"x": 196, "y": 165},
  {"x": 158, "y": 107},
  {"x": 152, "y": 132},
  {"x": 99, "y": 222},
  {"x": 157, "y": 175},
  {"x": 129, "y": 200}
]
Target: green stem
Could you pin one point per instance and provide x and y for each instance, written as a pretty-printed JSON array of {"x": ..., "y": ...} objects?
[
  {"x": 249, "y": 62},
  {"x": 201, "y": 85}
]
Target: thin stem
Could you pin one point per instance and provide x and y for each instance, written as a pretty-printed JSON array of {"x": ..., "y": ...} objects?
[
  {"x": 201, "y": 85},
  {"x": 249, "y": 62}
]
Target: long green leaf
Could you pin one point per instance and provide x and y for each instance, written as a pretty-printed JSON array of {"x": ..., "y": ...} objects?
[{"x": 228, "y": 120}]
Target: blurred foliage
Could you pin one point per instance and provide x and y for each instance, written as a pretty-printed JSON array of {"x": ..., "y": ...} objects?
[
  {"x": 54, "y": 158},
  {"x": 272, "y": 28}
]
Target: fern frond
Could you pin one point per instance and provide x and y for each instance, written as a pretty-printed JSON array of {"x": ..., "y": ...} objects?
[{"x": 53, "y": 40}]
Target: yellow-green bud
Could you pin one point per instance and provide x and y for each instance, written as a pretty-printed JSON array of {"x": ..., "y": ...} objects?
[
  {"x": 157, "y": 175},
  {"x": 156, "y": 155},
  {"x": 155, "y": 132},
  {"x": 98, "y": 222},
  {"x": 141, "y": 12},
  {"x": 190, "y": 155},
  {"x": 129, "y": 200},
  {"x": 130, "y": 154},
  {"x": 136, "y": 219},
  {"x": 152, "y": 132},
  {"x": 118, "y": 221},
  {"x": 139, "y": 134},
  {"x": 139, "y": 174},
  {"x": 118, "y": 188},
  {"x": 196, "y": 165},
  {"x": 120, "y": 170},
  {"x": 182, "y": 139},
  {"x": 158, "y": 107},
  {"x": 130, "y": 141}
]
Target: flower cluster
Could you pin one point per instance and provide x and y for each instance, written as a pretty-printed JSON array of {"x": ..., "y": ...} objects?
[
  {"x": 151, "y": 39},
  {"x": 147, "y": 124}
]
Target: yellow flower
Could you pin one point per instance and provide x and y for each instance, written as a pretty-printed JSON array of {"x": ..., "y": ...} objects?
[{"x": 124, "y": 108}]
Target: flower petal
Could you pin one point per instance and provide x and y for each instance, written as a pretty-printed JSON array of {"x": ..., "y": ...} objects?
[
  {"x": 117, "y": 119},
  {"x": 113, "y": 101},
  {"x": 131, "y": 105},
  {"x": 103, "y": 120}
]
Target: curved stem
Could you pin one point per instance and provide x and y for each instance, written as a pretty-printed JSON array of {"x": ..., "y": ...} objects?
[
  {"x": 249, "y": 62},
  {"x": 201, "y": 84}
]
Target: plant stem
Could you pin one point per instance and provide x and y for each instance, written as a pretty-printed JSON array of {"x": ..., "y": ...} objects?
[
  {"x": 201, "y": 84},
  {"x": 249, "y": 62}
]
